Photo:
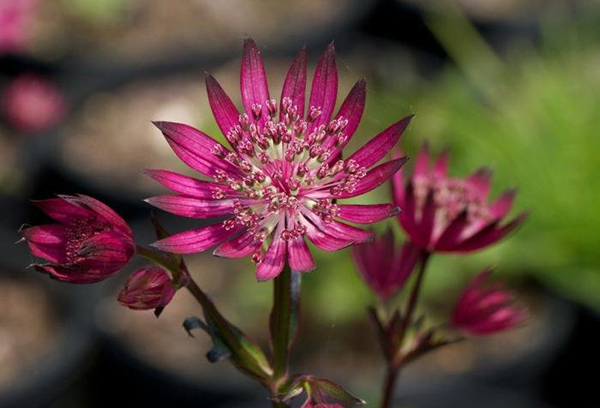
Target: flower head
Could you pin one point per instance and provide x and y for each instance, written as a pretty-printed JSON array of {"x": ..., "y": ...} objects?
[
  {"x": 14, "y": 19},
  {"x": 147, "y": 288},
  {"x": 89, "y": 243},
  {"x": 32, "y": 104},
  {"x": 486, "y": 309},
  {"x": 445, "y": 214},
  {"x": 383, "y": 265},
  {"x": 280, "y": 181}
]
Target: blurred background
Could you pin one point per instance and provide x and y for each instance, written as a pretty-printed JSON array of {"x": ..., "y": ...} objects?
[{"x": 511, "y": 84}]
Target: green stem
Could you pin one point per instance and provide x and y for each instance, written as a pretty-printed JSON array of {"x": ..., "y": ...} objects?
[
  {"x": 283, "y": 323},
  {"x": 394, "y": 366},
  {"x": 157, "y": 258}
]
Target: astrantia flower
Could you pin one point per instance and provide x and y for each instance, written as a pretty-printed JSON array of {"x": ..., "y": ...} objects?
[
  {"x": 484, "y": 309},
  {"x": 385, "y": 266},
  {"x": 280, "y": 181},
  {"x": 32, "y": 104},
  {"x": 147, "y": 288},
  {"x": 447, "y": 214},
  {"x": 89, "y": 243}
]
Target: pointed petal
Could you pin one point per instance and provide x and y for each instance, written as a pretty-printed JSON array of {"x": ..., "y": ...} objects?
[
  {"x": 299, "y": 256},
  {"x": 380, "y": 145},
  {"x": 424, "y": 228},
  {"x": 375, "y": 177},
  {"x": 422, "y": 162},
  {"x": 225, "y": 113},
  {"x": 196, "y": 240},
  {"x": 323, "y": 240},
  {"x": 440, "y": 168},
  {"x": 323, "y": 92},
  {"x": 106, "y": 213},
  {"x": 63, "y": 210},
  {"x": 294, "y": 86},
  {"x": 345, "y": 231},
  {"x": 450, "y": 237},
  {"x": 47, "y": 242},
  {"x": 353, "y": 107},
  {"x": 274, "y": 261},
  {"x": 194, "y": 148},
  {"x": 352, "y": 110},
  {"x": 489, "y": 235},
  {"x": 190, "y": 186},
  {"x": 191, "y": 206},
  {"x": 366, "y": 214},
  {"x": 501, "y": 207},
  {"x": 398, "y": 186},
  {"x": 480, "y": 182},
  {"x": 253, "y": 80},
  {"x": 239, "y": 247}
]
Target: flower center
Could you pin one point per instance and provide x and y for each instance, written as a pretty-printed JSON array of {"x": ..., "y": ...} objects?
[
  {"x": 451, "y": 197},
  {"x": 81, "y": 230},
  {"x": 287, "y": 164}
]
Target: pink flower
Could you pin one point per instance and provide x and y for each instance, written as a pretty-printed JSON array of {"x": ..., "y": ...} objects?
[
  {"x": 32, "y": 104},
  {"x": 383, "y": 265},
  {"x": 443, "y": 214},
  {"x": 89, "y": 244},
  {"x": 147, "y": 288},
  {"x": 15, "y": 16},
  {"x": 486, "y": 309},
  {"x": 281, "y": 180}
]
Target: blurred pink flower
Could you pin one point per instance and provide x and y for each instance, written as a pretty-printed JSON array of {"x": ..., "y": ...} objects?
[
  {"x": 32, "y": 104},
  {"x": 147, "y": 288},
  {"x": 15, "y": 16},
  {"x": 280, "y": 182},
  {"x": 486, "y": 309},
  {"x": 444, "y": 214},
  {"x": 385, "y": 266},
  {"x": 89, "y": 244}
]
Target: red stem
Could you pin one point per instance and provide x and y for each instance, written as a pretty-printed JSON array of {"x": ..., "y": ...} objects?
[{"x": 395, "y": 364}]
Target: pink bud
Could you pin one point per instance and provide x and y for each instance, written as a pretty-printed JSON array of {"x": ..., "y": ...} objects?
[
  {"x": 89, "y": 242},
  {"x": 385, "y": 266},
  {"x": 486, "y": 309},
  {"x": 147, "y": 288}
]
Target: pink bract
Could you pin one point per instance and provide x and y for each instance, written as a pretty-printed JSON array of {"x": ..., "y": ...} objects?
[
  {"x": 147, "y": 288},
  {"x": 486, "y": 309},
  {"x": 280, "y": 181},
  {"x": 444, "y": 214},
  {"x": 89, "y": 243},
  {"x": 385, "y": 266}
]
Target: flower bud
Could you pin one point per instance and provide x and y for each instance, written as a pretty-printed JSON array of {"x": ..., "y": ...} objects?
[
  {"x": 147, "y": 288},
  {"x": 486, "y": 309},
  {"x": 89, "y": 242}
]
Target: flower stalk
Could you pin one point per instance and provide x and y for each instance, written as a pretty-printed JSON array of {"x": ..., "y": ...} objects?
[
  {"x": 395, "y": 364},
  {"x": 283, "y": 323}
]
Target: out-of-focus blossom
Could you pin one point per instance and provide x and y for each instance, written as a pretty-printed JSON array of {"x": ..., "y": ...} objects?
[
  {"x": 89, "y": 243},
  {"x": 281, "y": 180},
  {"x": 444, "y": 214},
  {"x": 147, "y": 288},
  {"x": 32, "y": 104},
  {"x": 486, "y": 308},
  {"x": 15, "y": 17},
  {"x": 385, "y": 266}
]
